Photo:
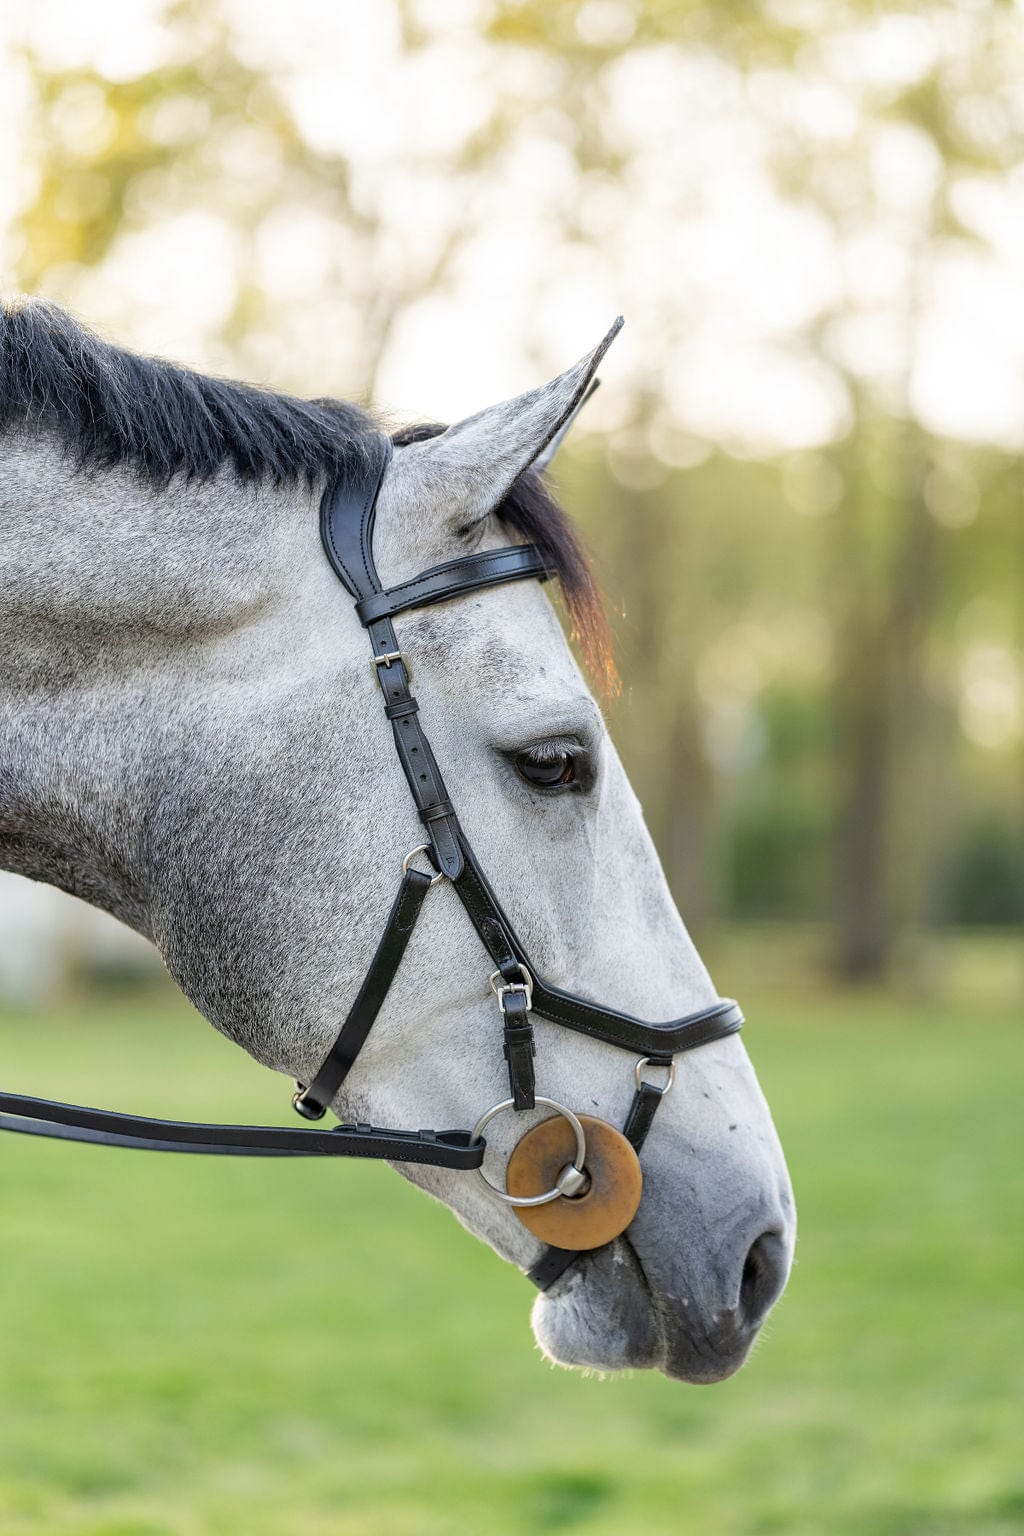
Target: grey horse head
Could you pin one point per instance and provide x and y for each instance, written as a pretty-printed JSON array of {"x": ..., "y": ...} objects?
[{"x": 192, "y": 741}]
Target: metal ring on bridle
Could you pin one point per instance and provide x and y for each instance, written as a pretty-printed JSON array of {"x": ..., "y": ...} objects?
[
  {"x": 422, "y": 848},
  {"x": 645, "y": 1061},
  {"x": 572, "y": 1175}
]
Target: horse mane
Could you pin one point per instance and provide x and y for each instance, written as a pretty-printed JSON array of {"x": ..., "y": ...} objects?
[{"x": 110, "y": 407}]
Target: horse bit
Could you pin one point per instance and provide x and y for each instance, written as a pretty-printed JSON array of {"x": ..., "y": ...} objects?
[{"x": 574, "y": 1181}]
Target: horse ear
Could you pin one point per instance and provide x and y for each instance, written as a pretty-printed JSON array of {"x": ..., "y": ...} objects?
[
  {"x": 543, "y": 460},
  {"x": 471, "y": 467}
]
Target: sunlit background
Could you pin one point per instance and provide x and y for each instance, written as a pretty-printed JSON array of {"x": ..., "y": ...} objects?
[
  {"x": 812, "y": 216},
  {"x": 801, "y": 483}
]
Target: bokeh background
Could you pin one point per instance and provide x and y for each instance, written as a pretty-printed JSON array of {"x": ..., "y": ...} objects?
[{"x": 802, "y": 486}]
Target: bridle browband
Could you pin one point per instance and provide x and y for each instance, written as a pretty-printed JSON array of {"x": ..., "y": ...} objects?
[{"x": 348, "y": 511}]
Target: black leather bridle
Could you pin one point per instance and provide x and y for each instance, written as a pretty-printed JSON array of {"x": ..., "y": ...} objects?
[{"x": 347, "y": 521}]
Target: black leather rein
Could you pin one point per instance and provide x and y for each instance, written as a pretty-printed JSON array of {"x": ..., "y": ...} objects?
[
  {"x": 73, "y": 1122},
  {"x": 347, "y": 520}
]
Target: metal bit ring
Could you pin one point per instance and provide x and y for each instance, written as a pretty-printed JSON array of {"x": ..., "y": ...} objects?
[{"x": 567, "y": 1177}]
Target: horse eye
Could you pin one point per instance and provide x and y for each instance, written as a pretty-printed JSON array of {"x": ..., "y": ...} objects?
[{"x": 550, "y": 771}]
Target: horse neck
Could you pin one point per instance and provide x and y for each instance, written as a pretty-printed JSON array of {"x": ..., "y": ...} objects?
[{"x": 114, "y": 597}]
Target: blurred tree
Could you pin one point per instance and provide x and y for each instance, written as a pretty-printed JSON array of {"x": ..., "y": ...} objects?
[
  {"x": 915, "y": 113},
  {"x": 985, "y": 885},
  {"x": 206, "y": 131},
  {"x": 872, "y": 581}
]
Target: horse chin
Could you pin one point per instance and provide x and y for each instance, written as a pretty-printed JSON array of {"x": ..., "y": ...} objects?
[
  {"x": 602, "y": 1316},
  {"x": 599, "y": 1316}
]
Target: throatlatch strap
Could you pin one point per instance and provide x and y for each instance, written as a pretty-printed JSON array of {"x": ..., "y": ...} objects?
[{"x": 311, "y": 1102}]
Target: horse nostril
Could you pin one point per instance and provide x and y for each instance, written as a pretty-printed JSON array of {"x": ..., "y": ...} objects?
[{"x": 764, "y": 1275}]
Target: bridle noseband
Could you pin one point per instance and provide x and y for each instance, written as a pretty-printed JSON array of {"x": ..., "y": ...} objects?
[{"x": 348, "y": 511}]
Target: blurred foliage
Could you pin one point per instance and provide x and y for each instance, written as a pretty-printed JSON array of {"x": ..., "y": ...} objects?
[
  {"x": 824, "y": 647},
  {"x": 984, "y": 885}
]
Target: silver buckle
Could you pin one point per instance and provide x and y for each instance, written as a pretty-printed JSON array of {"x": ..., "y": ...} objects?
[
  {"x": 500, "y": 987},
  {"x": 385, "y": 660}
]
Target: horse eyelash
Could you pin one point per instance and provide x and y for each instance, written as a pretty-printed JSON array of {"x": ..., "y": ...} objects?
[{"x": 549, "y": 751}]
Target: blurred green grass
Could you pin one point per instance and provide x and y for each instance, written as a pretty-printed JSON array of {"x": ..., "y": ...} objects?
[{"x": 193, "y": 1347}]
